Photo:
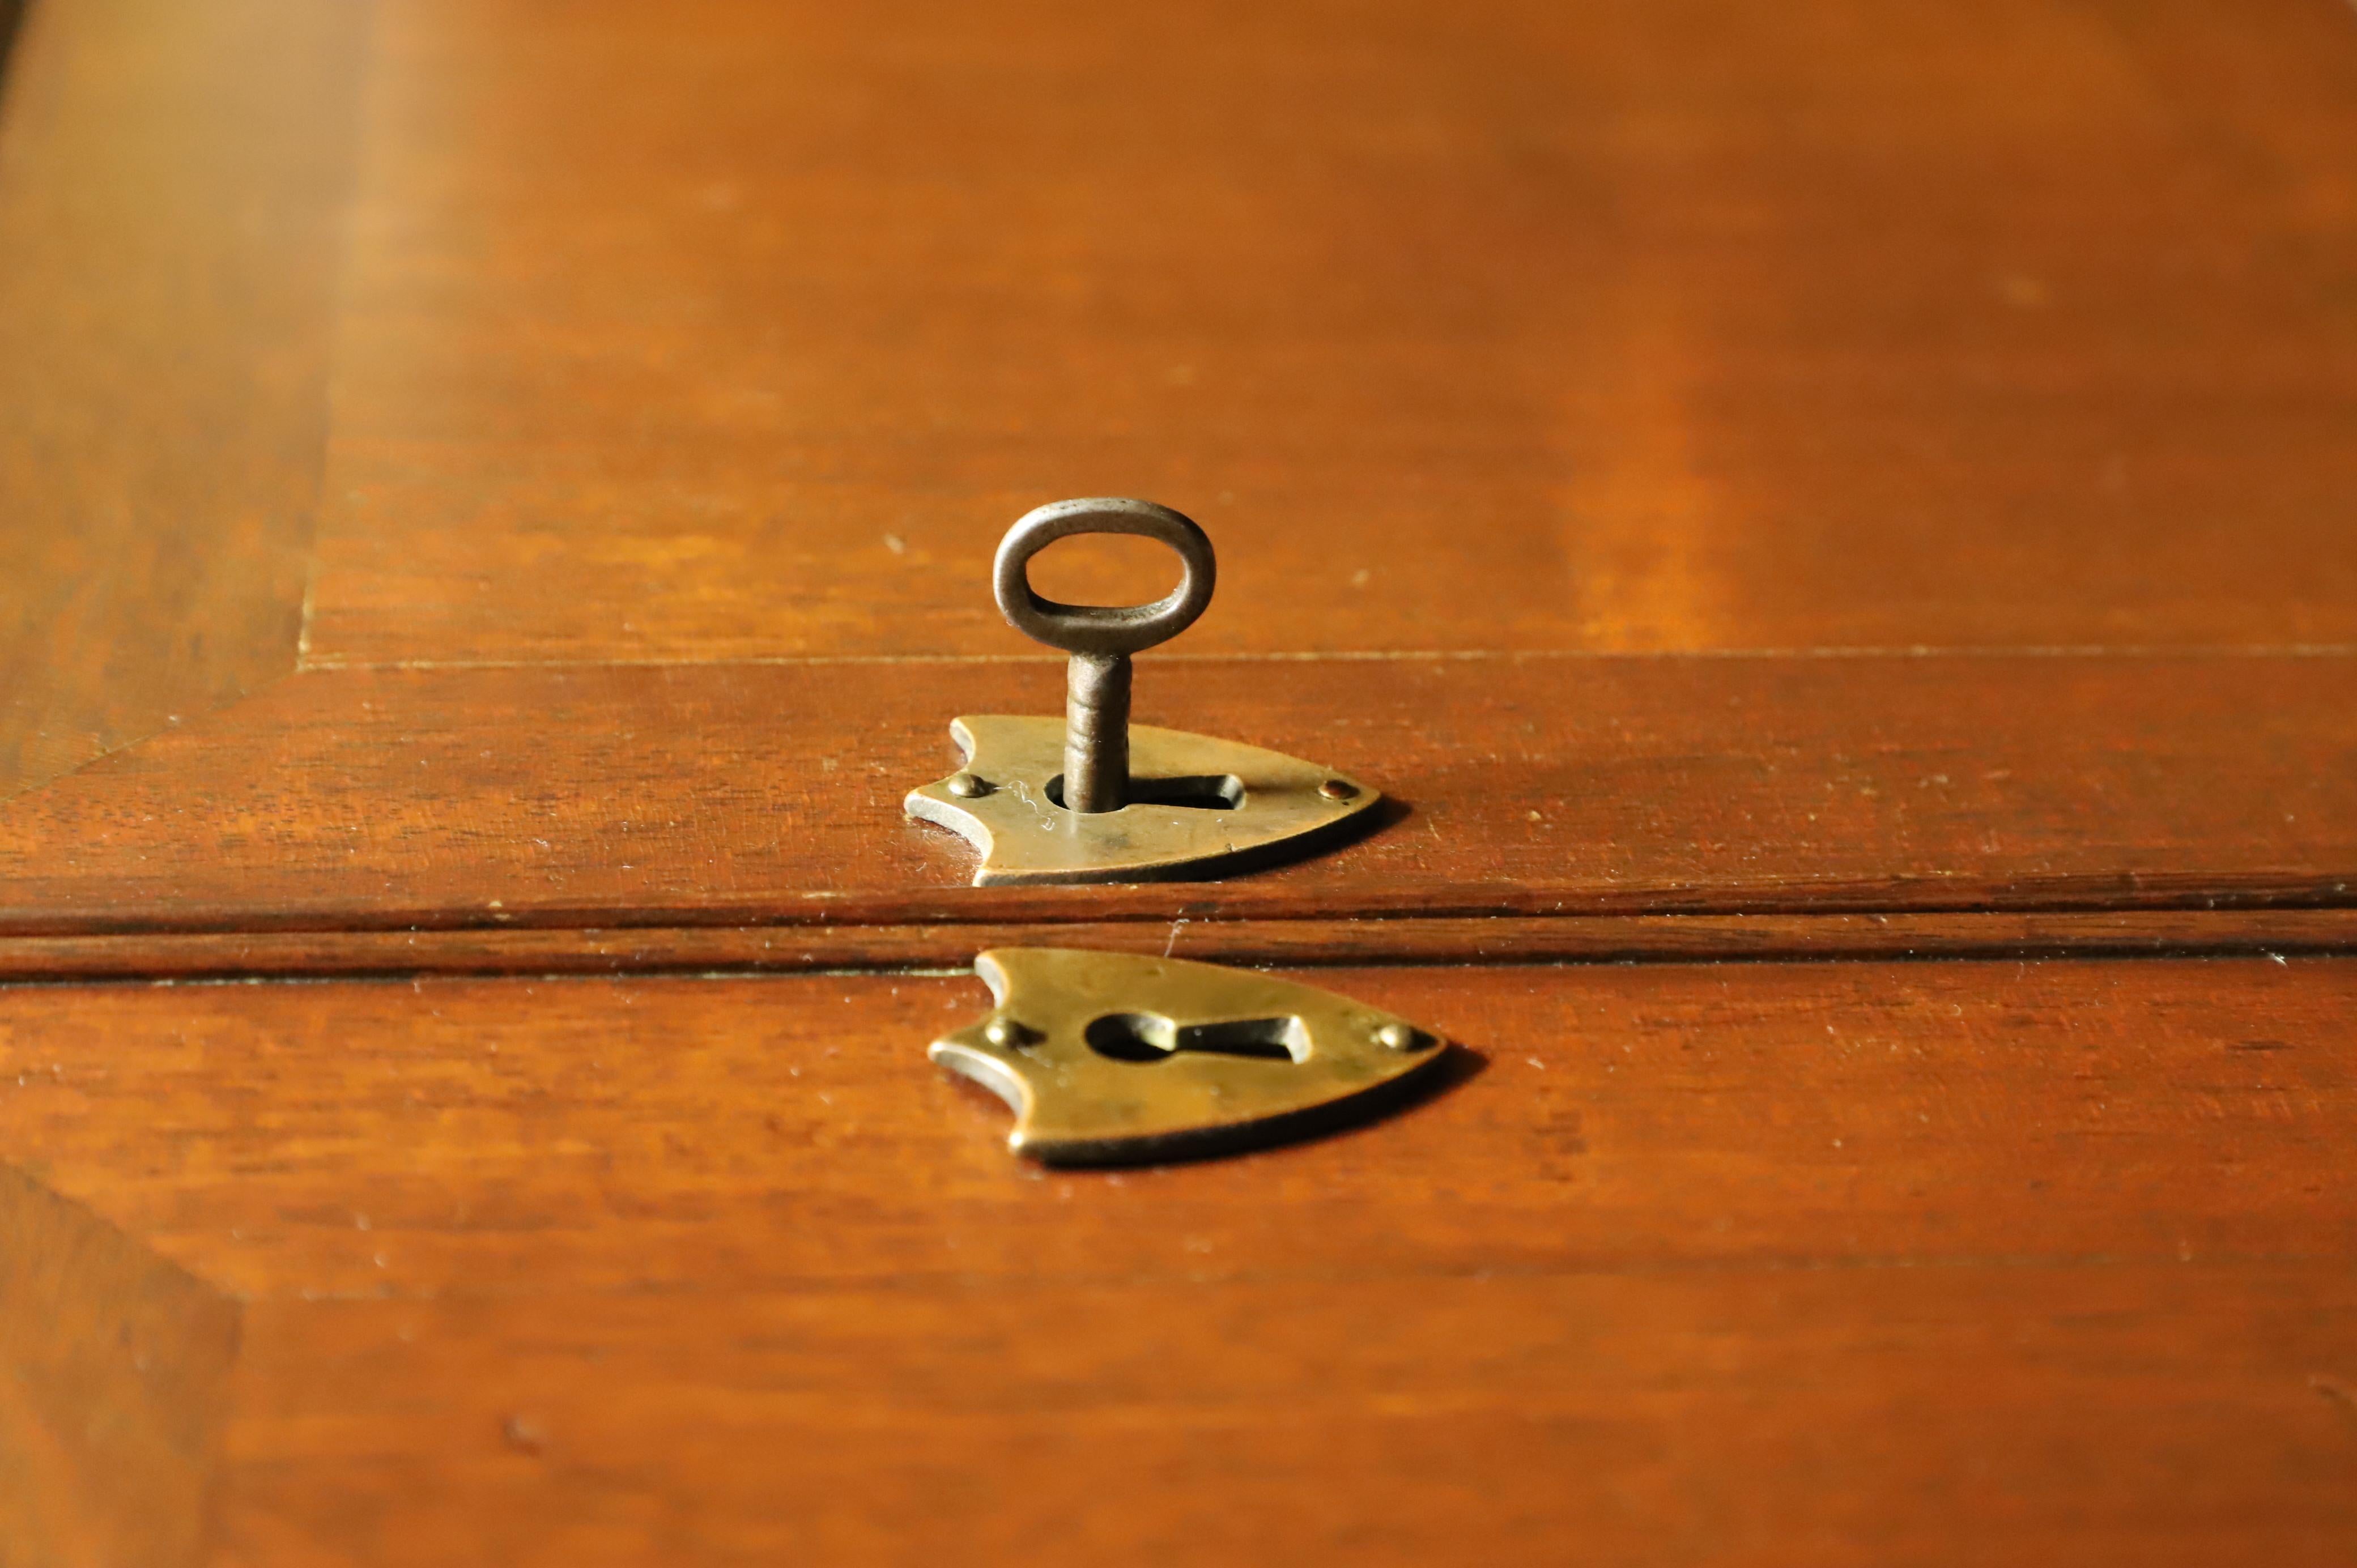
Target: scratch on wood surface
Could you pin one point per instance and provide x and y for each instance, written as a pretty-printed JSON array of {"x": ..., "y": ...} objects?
[{"x": 2343, "y": 1397}]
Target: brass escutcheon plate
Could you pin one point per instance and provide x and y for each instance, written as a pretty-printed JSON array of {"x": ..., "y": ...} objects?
[
  {"x": 1110, "y": 1058},
  {"x": 1198, "y": 806}
]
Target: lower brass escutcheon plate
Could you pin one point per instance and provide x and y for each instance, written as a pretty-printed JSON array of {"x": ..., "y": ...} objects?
[
  {"x": 1198, "y": 806},
  {"x": 1111, "y": 1057}
]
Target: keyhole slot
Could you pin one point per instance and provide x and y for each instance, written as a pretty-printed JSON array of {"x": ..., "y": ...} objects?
[
  {"x": 1193, "y": 792},
  {"x": 1151, "y": 1037}
]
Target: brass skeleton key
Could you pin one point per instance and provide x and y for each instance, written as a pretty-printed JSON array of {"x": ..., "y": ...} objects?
[
  {"x": 1094, "y": 798},
  {"x": 1100, "y": 639}
]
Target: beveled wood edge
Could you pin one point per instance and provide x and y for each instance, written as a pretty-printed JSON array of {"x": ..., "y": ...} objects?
[
  {"x": 958, "y": 907},
  {"x": 199, "y": 326},
  {"x": 811, "y": 915},
  {"x": 118, "y": 1363},
  {"x": 1413, "y": 941}
]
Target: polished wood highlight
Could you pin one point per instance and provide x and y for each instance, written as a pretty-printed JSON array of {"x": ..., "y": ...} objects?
[
  {"x": 1854, "y": 480},
  {"x": 171, "y": 186},
  {"x": 1932, "y": 1261},
  {"x": 760, "y": 794},
  {"x": 734, "y": 329}
]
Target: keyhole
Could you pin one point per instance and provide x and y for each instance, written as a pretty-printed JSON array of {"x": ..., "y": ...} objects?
[
  {"x": 1195, "y": 792},
  {"x": 1150, "y": 1037}
]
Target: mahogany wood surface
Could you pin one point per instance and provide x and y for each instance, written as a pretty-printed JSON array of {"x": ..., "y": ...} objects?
[
  {"x": 1763, "y": 1263},
  {"x": 491, "y": 490},
  {"x": 734, "y": 329},
  {"x": 593, "y": 797},
  {"x": 172, "y": 178},
  {"x": 599, "y": 775},
  {"x": 114, "y": 1375},
  {"x": 2141, "y": 1415}
]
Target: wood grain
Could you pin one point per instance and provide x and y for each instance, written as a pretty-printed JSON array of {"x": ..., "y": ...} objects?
[
  {"x": 2149, "y": 1414},
  {"x": 113, "y": 1380},
  {"x": 12, "y": 17},
  {"x": 762, "y": 794},
  {"x": 720, "y": 329},
  {"x": 170, "y": 186},
  {"x": 690, "y": 361},
  {"x": 1763, "y": 1263}
]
